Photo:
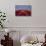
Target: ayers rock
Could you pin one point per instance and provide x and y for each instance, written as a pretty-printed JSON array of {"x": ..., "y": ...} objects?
[{"x": 23, "y": 12}]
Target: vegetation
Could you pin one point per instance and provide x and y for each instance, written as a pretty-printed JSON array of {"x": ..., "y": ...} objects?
[{"x": 2, "y": 19}]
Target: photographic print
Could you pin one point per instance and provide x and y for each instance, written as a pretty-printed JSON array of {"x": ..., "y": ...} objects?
[{"x": 23, "y": 10}]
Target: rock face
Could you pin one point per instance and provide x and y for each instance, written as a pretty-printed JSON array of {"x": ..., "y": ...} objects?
[{"x": 23, "y": 12}]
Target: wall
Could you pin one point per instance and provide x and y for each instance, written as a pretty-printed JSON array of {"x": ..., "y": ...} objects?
[{"x": 38, "y": 18}]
